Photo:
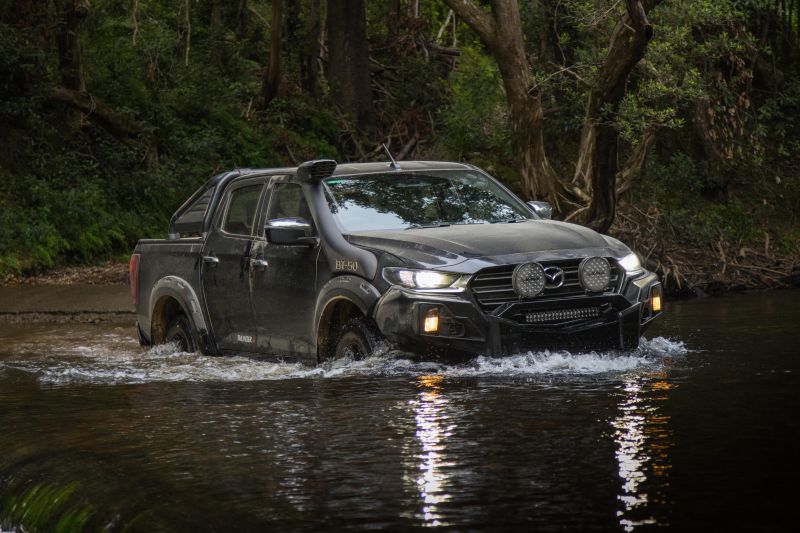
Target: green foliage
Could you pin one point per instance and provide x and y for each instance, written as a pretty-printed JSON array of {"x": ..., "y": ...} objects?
[
  {"x": 474, "y": 123},
  {"x": 46, "y": 507},
  {"x": 71, "y": 193},
  {"x": 683, "y": 193},
  {"x": 718, "y": 85}
]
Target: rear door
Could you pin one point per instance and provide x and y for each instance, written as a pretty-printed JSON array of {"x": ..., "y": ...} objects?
[
  {"x": 226, "y": 266},
  {"x": 284, "y": 292}
]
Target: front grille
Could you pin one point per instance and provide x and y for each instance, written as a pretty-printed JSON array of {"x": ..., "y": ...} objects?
[{"x": 492, "y": 286}]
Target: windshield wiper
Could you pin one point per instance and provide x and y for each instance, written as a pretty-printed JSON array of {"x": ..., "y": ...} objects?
[{"x": 434, "y": 225}]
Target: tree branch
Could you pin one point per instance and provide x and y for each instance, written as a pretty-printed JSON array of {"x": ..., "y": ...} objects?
[
  {"x": 188, "y": 33},
  {"x": 135, "y": 21},
  {"x": 636, "y": 161},
  {"x": 119, "y": 126},
  {"x": 477, "y": 19}
]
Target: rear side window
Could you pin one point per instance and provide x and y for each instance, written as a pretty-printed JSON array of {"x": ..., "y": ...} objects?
[
  {"x": 242, "y": 210},
  {"x": 190, "y": 220}
]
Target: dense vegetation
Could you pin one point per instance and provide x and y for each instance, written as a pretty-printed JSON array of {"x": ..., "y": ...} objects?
[{"x": 675, "y": 120}]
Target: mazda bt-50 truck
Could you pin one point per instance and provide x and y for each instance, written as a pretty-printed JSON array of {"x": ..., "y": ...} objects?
[{"x": 439, "y": 259}]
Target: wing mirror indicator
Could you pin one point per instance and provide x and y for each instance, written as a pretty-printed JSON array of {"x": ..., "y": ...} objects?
[
  {"x": 293, "y": 222},
  {"x": 541, "y": 209},
  {"x": 290, "y": 231}
]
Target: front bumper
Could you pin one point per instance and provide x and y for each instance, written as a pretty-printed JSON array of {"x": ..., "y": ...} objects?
[{"x": 617, "y": 321}]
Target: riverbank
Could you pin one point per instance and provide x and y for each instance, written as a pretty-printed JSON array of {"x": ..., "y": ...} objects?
[
  {"x": 86, "y": 294},
  {"x": 76, "y": 302},
  {"x": 718, "y": 268},
  {"x": 107, "y": 273}
]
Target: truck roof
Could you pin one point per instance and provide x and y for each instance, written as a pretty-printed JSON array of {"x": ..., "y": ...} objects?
[
  {"x": 347, "y": 169},
  {"x": 192, "y": 216}
]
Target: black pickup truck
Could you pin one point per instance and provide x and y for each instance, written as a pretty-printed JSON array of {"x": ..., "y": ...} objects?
[{"x": 325, "y": 260}]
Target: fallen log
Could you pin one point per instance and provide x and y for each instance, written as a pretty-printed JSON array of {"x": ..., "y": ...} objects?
[{"x": 118, "y": 125}]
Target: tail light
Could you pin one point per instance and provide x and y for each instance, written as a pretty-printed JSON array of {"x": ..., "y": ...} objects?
[{"x": 134, "y": 272}]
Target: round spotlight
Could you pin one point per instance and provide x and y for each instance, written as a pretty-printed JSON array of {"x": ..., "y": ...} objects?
[
  {"x": 528, "y": 279},
  {"x": 595, "y": 274}
]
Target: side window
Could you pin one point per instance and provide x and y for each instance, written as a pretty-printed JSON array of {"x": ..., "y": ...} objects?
[
  {"x": 288, "y": 202},
  {"x": 242, "y": 210},
  {"x": 190, "y": 220}
]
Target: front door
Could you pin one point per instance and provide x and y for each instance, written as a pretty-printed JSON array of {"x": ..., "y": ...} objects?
[
  {"x": 226, "y": 267},
  {"x": 284, "y": 292}
]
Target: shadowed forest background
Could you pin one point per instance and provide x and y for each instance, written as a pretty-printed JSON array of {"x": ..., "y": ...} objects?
[{"x": 671, "y": 124}]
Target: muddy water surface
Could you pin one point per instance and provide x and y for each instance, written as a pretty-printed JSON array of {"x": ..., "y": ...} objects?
[{"x": 698, "y": 428}]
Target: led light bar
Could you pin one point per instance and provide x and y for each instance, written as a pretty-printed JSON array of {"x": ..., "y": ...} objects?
[{"x": 562, "y": 315}]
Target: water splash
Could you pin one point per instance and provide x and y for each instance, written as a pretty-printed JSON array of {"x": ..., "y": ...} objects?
[{"x": 115, "y": 358}]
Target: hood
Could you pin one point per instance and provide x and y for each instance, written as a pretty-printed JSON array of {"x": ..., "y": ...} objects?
[{"x": 485, "y": 244}]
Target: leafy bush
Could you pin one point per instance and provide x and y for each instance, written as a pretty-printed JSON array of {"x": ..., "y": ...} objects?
[{"x": 475, "y": 121}]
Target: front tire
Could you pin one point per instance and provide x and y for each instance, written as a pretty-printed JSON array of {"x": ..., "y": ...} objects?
[
  {"x": 357, "y": 340},
  {"x": 181, "y": 332}
]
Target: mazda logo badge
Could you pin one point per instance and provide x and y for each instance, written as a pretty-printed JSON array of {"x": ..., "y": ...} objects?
[{"x": 554, "y": 277}]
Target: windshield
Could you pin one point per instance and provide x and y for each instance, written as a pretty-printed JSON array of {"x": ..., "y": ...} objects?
[{"x": 420, "y": 199}]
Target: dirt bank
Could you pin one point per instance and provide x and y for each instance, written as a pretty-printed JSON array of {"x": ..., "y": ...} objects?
[
  {"x": 109, "y": 273},
  {"x": 718, "y": 268},
  {"x": 76, "y": 302}
]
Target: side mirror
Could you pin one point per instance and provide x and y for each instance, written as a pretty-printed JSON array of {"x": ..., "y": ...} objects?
[
  {"x": 542, "y": 209},
  {"x": 290, "y": 231}
]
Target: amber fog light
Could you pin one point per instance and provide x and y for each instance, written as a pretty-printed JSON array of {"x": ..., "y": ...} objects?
[
  {"x": 655, "y": 299},
  {"x": 431, "y": 320}
]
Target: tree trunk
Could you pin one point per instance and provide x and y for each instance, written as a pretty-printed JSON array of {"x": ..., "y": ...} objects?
[
  {"x": 348, "y": 61},
  {"x": 241, "y": 19},
  {"x": 603, "y": 206},
  {"x": 502, "y": 34},
  {"x": 72, "y": 13},
  {"x": 596, "y": 168},
  {"x": 392, "y": 20},
  {"x": 272, "y": 77},
  {"x": 636, "y": 161},
  {"x": 311, "y": 62},
  {"x": 218, "y": 35}
]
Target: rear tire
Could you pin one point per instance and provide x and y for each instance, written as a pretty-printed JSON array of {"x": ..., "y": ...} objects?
[
  {"x": 181, "y": 332},
  {"x": 358, "y": 340}
]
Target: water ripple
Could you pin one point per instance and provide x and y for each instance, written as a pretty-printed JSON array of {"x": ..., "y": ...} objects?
[{"x": 117, "y": 359}]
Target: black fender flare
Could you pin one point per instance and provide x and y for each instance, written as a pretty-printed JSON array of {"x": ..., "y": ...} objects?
[
  {"x": 354, "y": 289},
  {"x": 182, "y": 292}
]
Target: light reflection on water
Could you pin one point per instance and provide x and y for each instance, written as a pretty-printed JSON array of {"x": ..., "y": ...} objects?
[
  {"x": 643, "y": 440},
  {"x": 433, "y": 430}
]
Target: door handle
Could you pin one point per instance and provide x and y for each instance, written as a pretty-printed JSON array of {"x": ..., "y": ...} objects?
[
  {"x": 210, "y": 259},
  {"x": 259, "y": 263}
]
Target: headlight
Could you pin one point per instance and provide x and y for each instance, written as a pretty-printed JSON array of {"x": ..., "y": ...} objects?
[
  {"x": 419, "y": 279},
  {"x": 631, "y": 263}
]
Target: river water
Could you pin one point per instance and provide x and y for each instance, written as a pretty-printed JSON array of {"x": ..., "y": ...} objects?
[{"x": 696, "y": 429}]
